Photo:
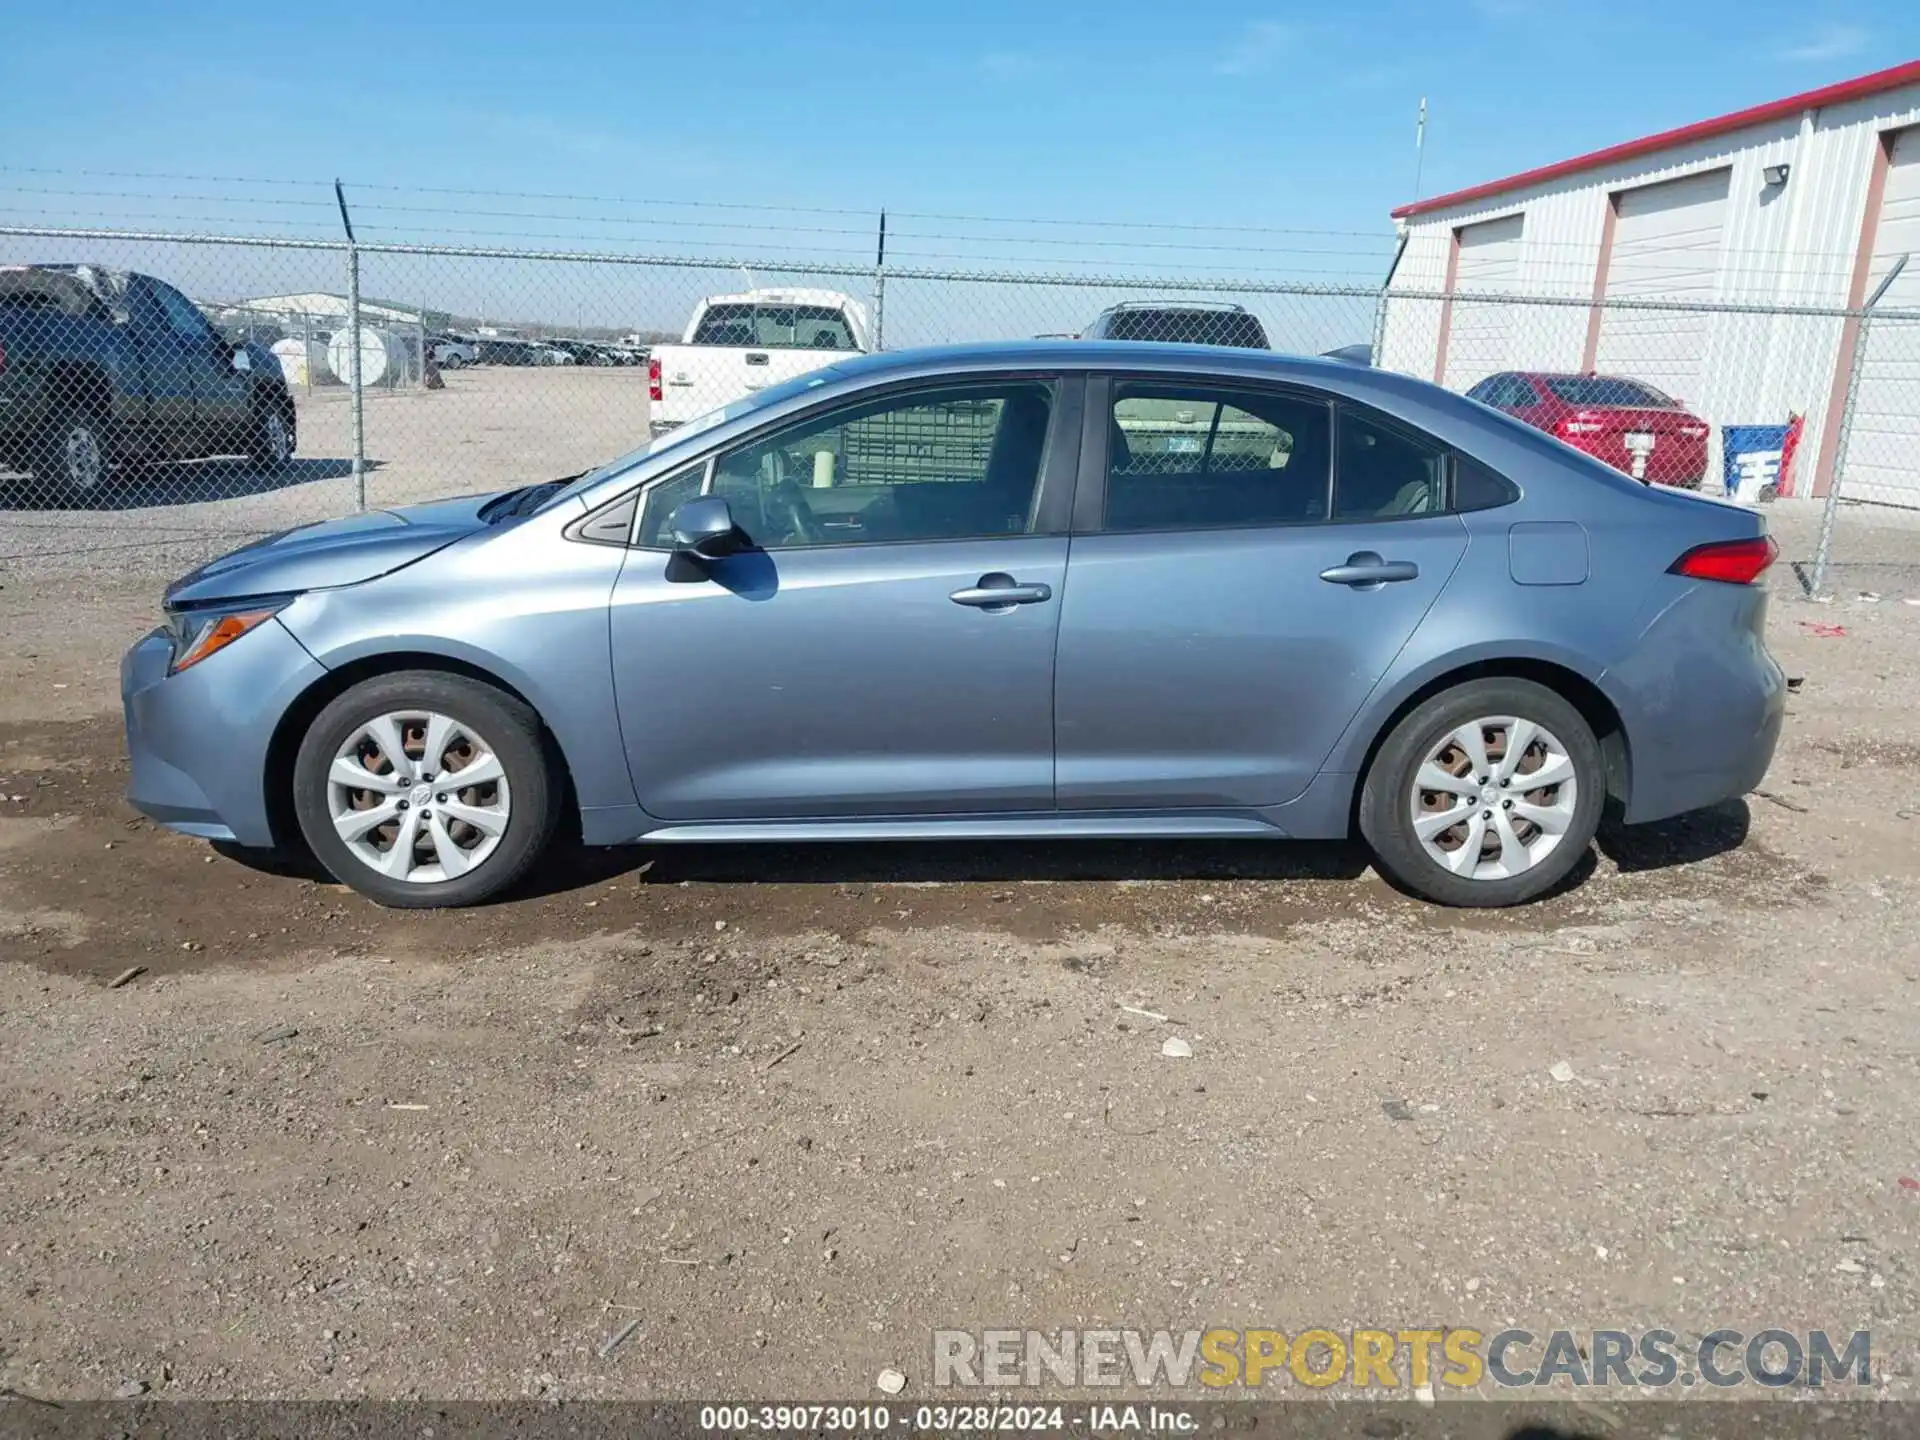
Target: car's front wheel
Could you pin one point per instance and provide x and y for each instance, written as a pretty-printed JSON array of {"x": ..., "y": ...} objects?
[
  {"x": 1485, "y": 794},
  {"x": 422, "y": 789}
]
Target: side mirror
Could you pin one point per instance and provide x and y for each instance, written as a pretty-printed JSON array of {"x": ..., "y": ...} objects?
[
  {"x": 242, "y": 361},
  {"x": 704, "y": 527}
]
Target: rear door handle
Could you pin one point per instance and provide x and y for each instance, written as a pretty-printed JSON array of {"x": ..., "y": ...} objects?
[
  {"x": 1000, "y": 591},
  {"x": 1365, "y": 570}
]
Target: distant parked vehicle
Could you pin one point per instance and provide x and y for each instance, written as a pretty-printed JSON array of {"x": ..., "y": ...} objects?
[
  {"x": 453, "y": 353},
  {"x": 502, "y": 350},
  {"x": 1626, "y": 423},
  {"x": 1180, "y": 322},
  {"x": 99, "y": 366},
  {"x": 736, "y": 345},
  {"x": 548, "y": 354}
]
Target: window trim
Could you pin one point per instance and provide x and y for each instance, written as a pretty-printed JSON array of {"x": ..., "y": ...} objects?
[{"x": 1054, "y": 489}]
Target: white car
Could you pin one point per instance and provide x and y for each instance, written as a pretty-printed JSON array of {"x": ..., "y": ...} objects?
[
  {"x": 737, "y": 344},
  {"x": 452, "y": 354}
]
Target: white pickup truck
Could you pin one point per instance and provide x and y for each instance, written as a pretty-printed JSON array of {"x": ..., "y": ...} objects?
[{"x": 736, "y": 344}]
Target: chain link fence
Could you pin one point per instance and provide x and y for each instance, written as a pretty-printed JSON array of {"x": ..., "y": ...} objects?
[{"x": 166, "y": 396}]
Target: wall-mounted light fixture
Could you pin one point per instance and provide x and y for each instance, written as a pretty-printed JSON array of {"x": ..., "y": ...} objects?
[{"x": 1776, "y": 175}]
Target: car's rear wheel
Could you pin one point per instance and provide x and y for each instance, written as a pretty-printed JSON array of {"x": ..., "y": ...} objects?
[
  {"x": 1486, "y": 794},
  {"x": 421, "y": 789},
  {"x": 270, "y": 438},
  {"x": 73, "y": 456}
]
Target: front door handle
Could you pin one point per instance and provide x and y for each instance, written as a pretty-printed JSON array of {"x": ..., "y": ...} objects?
[
  {"x": 1000, "y": 591},
  {"x": 1365, "y": 570}
]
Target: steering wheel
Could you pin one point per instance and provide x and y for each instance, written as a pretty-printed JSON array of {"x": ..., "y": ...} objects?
[{"x": 787, "y": 508}]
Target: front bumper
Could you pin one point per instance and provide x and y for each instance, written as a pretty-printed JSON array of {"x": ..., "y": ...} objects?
[{"x": 198, "y": 741}]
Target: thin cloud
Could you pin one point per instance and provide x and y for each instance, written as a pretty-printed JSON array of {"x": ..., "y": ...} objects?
[
  {"x": 1254, "y": 53},
  {"x": 1836, "y": 42}
]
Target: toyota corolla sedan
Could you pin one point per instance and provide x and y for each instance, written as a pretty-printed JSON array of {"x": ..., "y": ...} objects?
[{"x": 1024, "y": 590}]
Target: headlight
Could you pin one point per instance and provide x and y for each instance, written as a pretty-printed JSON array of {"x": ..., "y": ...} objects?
[{"x": 200, "y": 633}]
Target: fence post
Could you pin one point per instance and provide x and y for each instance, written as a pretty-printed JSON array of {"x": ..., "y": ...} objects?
[
  {"x": 356, "y": 391},
  {"x": 1379, "y": 327},
  {"x": 880, "y": 285},
  {"x": 1823, "y": 550}
]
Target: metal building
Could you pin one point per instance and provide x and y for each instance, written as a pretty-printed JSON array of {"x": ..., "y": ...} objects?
[{"x": 1591, "y": 264}]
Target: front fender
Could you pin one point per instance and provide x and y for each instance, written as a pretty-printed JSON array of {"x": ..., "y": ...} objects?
[{"x": 542, "y": 631}]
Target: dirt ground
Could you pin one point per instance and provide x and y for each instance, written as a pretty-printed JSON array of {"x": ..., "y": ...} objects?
[{"x": 793, "y": 1108}]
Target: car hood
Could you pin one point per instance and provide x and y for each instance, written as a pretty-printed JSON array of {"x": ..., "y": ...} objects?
[{"x": 334, "y": 552}]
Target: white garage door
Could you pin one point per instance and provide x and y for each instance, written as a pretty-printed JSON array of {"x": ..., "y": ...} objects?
[
  {"x": 1480, "y": 333},
  {"x": 1666, "y": 246},
  {"x": 1883, "y": 451}
]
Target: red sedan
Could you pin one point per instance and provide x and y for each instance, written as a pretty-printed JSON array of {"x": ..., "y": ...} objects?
[{"x": 1629, "y": 425}]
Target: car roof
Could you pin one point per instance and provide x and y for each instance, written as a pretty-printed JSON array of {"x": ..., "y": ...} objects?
[
  {"x": 1134, "y": 355},
  {"x": 1210, "y": 307}
]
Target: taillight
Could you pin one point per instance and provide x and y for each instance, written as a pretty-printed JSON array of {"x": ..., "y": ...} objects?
[
  {"x": 653, "y": 379},
  {"x": 1737, "y": 562}
]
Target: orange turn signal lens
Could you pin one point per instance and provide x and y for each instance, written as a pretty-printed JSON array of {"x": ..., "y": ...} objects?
[{"x": 215, "y": 633}]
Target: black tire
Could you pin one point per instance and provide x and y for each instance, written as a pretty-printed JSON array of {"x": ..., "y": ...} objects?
[
  {"x": 1386, "y": 798},
  {"x": 452, "y": 362},
  {"x": 58, "y": 461},
  {"x": 269, "y": 449},
  {"x": 508, "y": 726}
]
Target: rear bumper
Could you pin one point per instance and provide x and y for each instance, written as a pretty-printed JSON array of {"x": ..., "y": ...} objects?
[
  {"x": 197, "y": 741},
  {"x": 1703, "y": 702}
]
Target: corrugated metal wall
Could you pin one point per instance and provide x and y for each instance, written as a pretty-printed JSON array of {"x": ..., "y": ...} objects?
[{"x": 1792, "y": 245}]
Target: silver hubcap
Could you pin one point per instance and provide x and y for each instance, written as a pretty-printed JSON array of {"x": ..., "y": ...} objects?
[
  {"x": 1493, "y": 797},
  {"x": 276, "y": 437},
  {"x": 83, "y": 458},
  {"x": 418, "y": 796}
]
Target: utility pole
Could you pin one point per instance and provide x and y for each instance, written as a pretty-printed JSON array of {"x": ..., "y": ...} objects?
[{"x": 1419, "y": 146}]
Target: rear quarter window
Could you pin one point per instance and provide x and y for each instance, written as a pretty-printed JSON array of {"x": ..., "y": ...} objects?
[{"x": 1477, "y": 487}]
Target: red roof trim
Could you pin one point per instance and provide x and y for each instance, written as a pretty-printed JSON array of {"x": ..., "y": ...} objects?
[{"x": 1890, "y": 79}]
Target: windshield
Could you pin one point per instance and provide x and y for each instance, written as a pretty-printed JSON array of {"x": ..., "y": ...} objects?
[{"x": 746, "y": 405}]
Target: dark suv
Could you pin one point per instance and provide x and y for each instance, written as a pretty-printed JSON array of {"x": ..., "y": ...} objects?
[{"x": 1184, "y": 322}]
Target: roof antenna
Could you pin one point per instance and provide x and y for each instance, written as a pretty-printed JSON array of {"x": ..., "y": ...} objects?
[{"x": 1419, "y": 146}]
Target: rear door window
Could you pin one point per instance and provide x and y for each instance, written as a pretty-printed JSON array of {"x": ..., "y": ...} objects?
[
  {"x": 1383, "y": 472},
  {"x": 1198, "y": 457}
]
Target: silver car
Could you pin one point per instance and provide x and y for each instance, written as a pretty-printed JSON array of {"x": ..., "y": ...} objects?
[{"x": 1027, "y": 590}]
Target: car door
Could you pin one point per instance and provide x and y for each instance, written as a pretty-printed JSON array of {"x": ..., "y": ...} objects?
[
  {"x": 884, "y": 644},
  {"x": 172, "y": 364},
  {"x": 222, "y": 394},
  {"x": 1232, "y": 600}
]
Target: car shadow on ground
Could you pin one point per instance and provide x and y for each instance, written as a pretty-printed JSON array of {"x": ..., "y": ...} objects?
[
  {"x": 193, "y": 482},
  {"x": 1684, "y": 840}
]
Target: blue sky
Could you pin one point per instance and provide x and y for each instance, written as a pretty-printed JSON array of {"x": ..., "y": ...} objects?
[{"x": 1209, "y": 113}]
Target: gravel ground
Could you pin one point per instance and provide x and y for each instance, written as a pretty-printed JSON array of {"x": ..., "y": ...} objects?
[{"x": 793, "y": 1108}]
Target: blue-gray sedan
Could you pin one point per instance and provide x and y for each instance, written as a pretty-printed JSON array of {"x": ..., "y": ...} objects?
[{"x": 1030, "y": 590}]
